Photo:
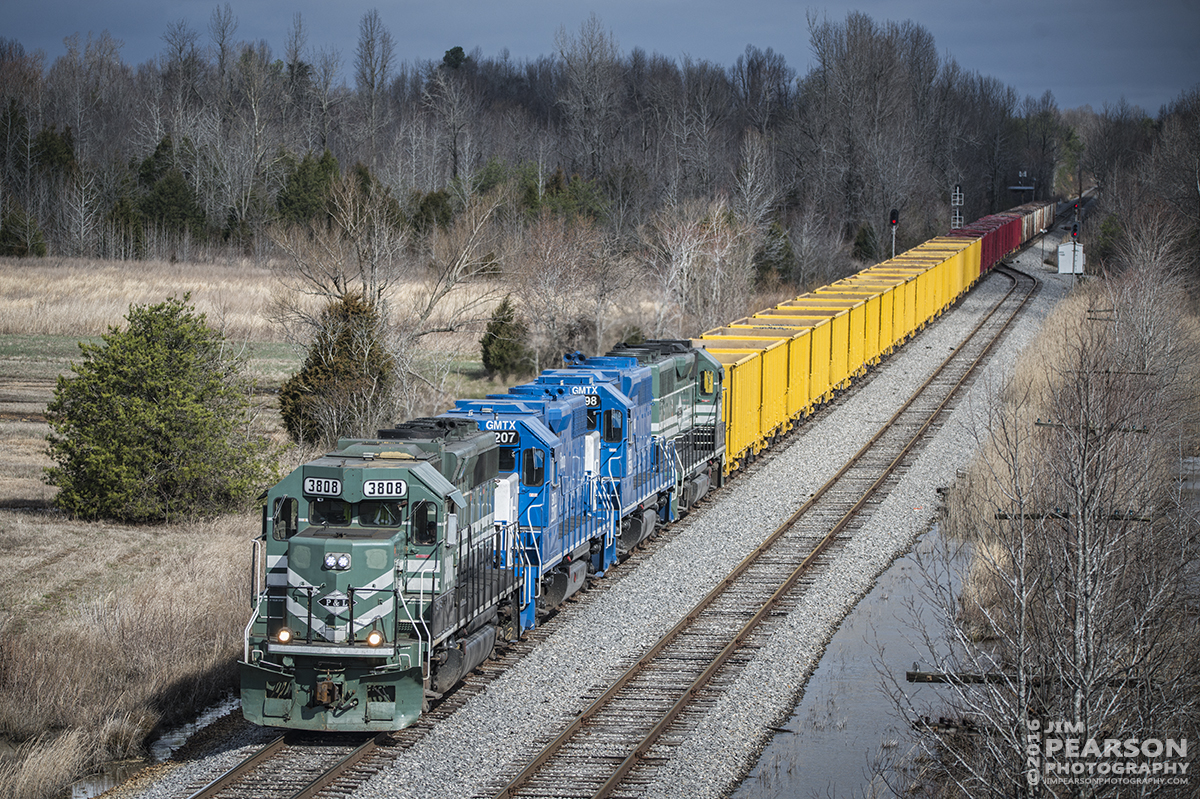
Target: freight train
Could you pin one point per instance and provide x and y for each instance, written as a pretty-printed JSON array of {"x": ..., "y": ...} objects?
[{"x": 393, "y": 565}]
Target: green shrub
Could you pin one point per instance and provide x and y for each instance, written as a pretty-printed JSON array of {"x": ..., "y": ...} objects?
[
  {"x": 502, "y": 347},
  {"x": 19, "y": 233},
  {"x": 154, "y": 423},
  {"x": 305, "y": 193},
  {"x": 865, "y": 246}
]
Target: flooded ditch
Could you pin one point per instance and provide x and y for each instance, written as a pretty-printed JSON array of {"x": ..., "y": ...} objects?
[{"x": 846, "y": 722}]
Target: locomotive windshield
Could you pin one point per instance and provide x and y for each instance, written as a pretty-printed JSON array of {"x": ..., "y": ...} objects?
[
  {"x": 368, "y": 513},
  {"x": 330, "y": 512},
  {"x": 381, "y": 513}
]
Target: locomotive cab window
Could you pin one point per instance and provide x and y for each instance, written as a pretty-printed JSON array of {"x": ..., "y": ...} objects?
[
  {"x": 424, "y": 524},
  {"x": 332, "y": 512},
  {"x": 507, "y": 459},
  {"x": 285, "y": 524},
  {"x": 708, "y": 383},
  {"x": 533, "y": 467},
  {"x": 614, "y": 425},
  {"x": 381, "y": 512}
]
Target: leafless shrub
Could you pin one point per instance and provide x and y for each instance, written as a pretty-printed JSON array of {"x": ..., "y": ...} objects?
[{"x": 1084, "y": 548}]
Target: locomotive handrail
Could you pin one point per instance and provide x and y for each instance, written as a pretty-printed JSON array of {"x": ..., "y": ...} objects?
[
  {"x": 680, "y": 475},
  {"x": 421, "y": 591},
  {"x": 246, "y": 634},
  {"x": 427, "y": 664}
]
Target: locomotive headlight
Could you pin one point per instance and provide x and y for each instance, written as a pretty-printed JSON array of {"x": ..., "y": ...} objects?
[
  {"x": 284, "y": 635},
  {"x": 343, "y": 561},
  {"x": 374, "y": 638},
  {"x": 331, "y": 561}
]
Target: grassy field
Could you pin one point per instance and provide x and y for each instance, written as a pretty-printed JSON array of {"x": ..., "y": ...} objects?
[{"x": 109, "y": 632}]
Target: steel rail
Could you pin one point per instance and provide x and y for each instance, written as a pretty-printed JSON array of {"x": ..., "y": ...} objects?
[
  {"x": 642, "y": 749},
  {"x": 639, "y": 751},
  {"x": 341, "y": 767},
  {"x": 276, "y": 747},
  {"x": 241, "y": 769}
]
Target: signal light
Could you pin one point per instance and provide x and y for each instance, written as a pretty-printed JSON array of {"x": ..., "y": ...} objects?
[
  {"x": 894, "y": 219},
  {"x": 1074, "y": 230}
]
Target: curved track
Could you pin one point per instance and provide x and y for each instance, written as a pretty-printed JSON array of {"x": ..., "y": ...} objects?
[{"x": 605, "y": 749}]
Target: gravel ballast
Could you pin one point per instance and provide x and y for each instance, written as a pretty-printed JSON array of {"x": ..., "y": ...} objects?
[{"x": 497, "y": 731}]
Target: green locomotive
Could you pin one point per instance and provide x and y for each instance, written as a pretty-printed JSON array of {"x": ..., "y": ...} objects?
[{"x": 391, "y": 566}]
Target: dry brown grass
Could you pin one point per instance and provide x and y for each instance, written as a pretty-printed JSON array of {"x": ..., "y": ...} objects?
[
  {"x": 84, "y": 297},
  {"x": 109, "y": 632}
]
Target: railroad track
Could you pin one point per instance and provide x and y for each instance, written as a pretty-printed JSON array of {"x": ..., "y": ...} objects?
[
  {"x": 609, "y": 748},
  {"x": 296, "y": 766},
  {"x": 670, "y": 680}
]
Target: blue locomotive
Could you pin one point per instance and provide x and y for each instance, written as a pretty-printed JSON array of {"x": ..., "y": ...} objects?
[{"x": 393, "y": 565}]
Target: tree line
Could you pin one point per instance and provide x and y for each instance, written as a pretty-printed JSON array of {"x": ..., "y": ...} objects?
[
  {"x": 216, "y": 138},
  {"x": 576, "y": 183}
]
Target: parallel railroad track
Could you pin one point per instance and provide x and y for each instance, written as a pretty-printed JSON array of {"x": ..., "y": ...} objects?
[
  {"x": 670, "y": 680},
  {"x": 608, "y": 749}
]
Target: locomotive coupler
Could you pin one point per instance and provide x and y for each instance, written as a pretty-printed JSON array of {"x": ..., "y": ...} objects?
[{"x": 328, "y": 693}]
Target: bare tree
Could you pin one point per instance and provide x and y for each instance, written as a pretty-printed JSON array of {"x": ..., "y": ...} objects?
[
  {"x": 755, "y": 187},
  {"x": 763, "y": 82},
  {"x": 83, "y": 215},
  {"x": 550, "y": 274},
  {"x": 328, "y": 66},
  {"x": 372, "y": 67},
  {"x": 817, "y": 246},
  {"x": 701, "y": 259},
  {"x": 590, "y": 91},
  {"x": 1084, "y": 550},
  {"x": 1175, "y": 163},
  {"x": 451, "y": 99},
  {"x": 1114, "y": 140},
  {"x": 254, "y": 136},
  {"x": 452, "y": 292},
  {"x": 361, "y": 248},
  {"x": 222, "y": 27}
]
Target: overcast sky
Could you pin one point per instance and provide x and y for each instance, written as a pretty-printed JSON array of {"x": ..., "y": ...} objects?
[{"x": 1084, "y": 51}]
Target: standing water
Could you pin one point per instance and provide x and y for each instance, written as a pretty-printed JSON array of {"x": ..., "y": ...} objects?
[
  {"x": 846, "y": 720},
  {"x": 161, "y": 749}
]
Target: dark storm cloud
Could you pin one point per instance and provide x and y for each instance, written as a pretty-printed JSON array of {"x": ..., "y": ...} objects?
[{"x": 1084, "y": 51}]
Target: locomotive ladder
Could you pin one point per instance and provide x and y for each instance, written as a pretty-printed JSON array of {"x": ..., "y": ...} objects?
[{"x": 618, "y": 732}]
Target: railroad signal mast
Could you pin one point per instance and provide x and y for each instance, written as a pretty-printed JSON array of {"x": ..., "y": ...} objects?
[
  {"x": 956, "y": 203},
  {"x": 893, "y": 220},
  {"x": 1075, "y": 237}
]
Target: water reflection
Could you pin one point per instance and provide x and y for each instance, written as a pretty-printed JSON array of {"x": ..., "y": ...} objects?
[
  {"x": 113, "y": 774},
  {"x": 845, "y": 724}
]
